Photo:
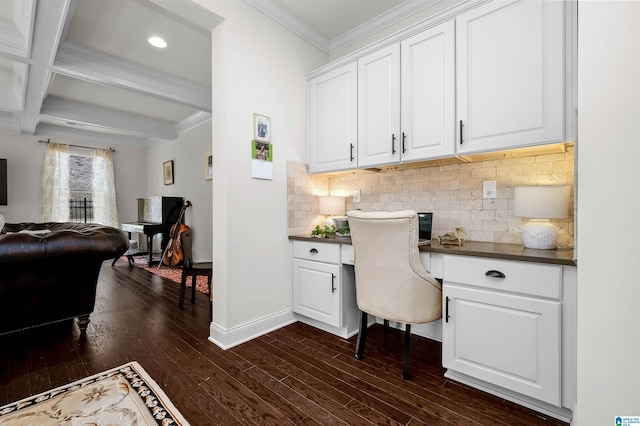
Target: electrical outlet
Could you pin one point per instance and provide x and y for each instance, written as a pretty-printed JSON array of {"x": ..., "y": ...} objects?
[
  {"x": 489, "y": 189},
  {"x": 356, "y": 195}
]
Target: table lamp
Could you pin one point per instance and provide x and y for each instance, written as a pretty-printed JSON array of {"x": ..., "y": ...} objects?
[
  {"x": 331, "y": 206},
  {"x": 541, "y": 203}
]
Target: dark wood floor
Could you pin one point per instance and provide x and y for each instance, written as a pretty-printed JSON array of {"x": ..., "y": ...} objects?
[{"x": 295, "y": 375}]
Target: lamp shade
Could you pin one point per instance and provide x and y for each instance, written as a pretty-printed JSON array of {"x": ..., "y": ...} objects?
[
  {"x": 542, "y": 202},
  {"x": 331, "y": 205}
]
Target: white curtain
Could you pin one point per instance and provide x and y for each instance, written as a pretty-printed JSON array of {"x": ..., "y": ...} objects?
[
  {"x": 105, "y": 210},
  {"x": 56, "y": 183}
]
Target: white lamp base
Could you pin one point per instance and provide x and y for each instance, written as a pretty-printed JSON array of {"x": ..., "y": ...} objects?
[{"x": 540, "y": 235}]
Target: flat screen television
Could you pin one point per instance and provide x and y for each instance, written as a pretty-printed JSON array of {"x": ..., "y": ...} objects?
[{"x": 3, "y": 181}]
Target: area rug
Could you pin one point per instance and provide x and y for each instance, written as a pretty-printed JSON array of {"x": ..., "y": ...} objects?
[
  {"x": 173, "y": 273},
  {"x": 125, "y": 395}
]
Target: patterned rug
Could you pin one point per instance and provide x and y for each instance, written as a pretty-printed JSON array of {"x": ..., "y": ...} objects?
[
  {"x": 125, "y": 395},
  {"x": 173, "y": 273}
]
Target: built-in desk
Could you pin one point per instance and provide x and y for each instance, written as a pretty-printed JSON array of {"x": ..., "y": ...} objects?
[
  {"x": 477, "y": 249},
  {"x": 509, "y": 313}
]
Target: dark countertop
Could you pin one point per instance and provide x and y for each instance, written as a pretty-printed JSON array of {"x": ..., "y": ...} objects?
[{"x": 479, "y": 249}]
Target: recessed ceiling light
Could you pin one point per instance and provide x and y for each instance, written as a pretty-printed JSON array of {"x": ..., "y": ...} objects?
[{"x": 157, "y": 42}]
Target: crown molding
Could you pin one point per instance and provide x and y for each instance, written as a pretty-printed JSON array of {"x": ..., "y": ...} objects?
[
  {"x": 287, "y": 20},
  {"x": 393, "y": 16},
  {"x": 193, "y": 121}
]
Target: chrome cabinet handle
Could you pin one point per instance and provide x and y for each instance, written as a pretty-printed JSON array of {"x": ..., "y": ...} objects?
[
  {"x": 333, "y": 284},
  {"x": 351, "y": 151},
  {"x": 403, "y": 138},
  {"x": 495, "y": 274},
  {"x": 393, "y": 143},
  {"x": 461, "y": 140}
]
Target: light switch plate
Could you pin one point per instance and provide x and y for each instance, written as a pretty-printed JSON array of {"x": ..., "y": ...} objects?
[
  {"x": 489, "y": 189},
  {"x": 356, "y": 195}
]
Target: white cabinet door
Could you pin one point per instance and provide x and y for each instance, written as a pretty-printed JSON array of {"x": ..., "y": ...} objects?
[
  {"x": 316, "y": 291},
  {"x": 510, "y": 75},
  {"x": 428, "y": 94},
  {"x": 507, "y": 340},
  {"x": 379, "y": 107},
  {"x": 333, "y": 126}
]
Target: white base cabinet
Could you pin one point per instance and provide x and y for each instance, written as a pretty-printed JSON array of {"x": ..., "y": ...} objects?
[
  {"x": 504, "y": 330},
  {"x": 324, "y": 292},
  {"x": 511, "y": 341}
]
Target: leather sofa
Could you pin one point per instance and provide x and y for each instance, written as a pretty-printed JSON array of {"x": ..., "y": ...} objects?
[{"x": 49, "y": 271}]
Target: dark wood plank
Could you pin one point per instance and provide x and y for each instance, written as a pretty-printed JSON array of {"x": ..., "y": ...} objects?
[{"x": 294, "y": 375}]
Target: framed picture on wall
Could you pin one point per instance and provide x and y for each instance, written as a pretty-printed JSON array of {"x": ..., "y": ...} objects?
[
  {"x": 167, "y": 172},
  {"x": 261, "y": 127},
  {"x": 208, "y": 165}
]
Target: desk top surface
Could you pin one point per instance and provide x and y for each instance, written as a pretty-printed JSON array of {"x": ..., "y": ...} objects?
[{"x": 479, "y": 249}]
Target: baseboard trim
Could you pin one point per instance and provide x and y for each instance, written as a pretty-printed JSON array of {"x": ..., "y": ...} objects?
[
  {"x": 560, "y": 413},
  {"x": 228, "y": 338}
]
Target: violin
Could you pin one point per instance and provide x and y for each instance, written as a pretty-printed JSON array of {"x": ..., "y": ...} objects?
[{"x": 173, "y": 254}]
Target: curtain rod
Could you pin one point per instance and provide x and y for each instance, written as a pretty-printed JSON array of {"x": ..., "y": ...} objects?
[{"x": 78, "y": 146}]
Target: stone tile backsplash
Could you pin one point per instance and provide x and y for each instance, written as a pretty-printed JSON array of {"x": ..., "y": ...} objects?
[{"x": 452, "y": 192}]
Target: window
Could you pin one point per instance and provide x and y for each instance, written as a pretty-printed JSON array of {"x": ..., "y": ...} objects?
[{"x": 79, "y": 188}]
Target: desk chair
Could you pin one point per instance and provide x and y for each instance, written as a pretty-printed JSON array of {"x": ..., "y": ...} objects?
[
  {"x": 193, "y": 270},
  {"x": 391, "y": 283}
]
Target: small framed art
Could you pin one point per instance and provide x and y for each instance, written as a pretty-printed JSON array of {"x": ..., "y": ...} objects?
[
  {"x": 261, "y": 127},
  {"x": 167, "y": 172},
  {"x": 208, "y": 165}
]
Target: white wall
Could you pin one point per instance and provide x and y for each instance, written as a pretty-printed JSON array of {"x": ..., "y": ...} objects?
[
  {"x": 187, "y": 153},
  {"x": 25, "y": 163},
  {"x": 608, "y": 228},
  {"x": 258, "y": 66}
]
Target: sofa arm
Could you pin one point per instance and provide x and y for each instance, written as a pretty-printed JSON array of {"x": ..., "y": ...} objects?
[{"x": 64, "y": 239}]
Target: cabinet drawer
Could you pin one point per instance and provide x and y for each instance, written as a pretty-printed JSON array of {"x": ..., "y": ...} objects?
[
  {"x": 320, "y": 252},
  {"x": 519, "y": 277}
]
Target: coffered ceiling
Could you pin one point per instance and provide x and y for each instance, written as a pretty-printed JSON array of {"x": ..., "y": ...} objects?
[{"x": 84, "y": 69}]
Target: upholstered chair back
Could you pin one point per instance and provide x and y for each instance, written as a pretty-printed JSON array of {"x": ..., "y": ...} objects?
[{"x": 391, "y": 283}]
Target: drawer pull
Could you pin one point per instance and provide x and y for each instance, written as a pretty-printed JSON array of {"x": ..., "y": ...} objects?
[
  {"x": 313, "y": 250},
  {"x": 495, "y": 274},
  {"x": 333, "y": 283}
]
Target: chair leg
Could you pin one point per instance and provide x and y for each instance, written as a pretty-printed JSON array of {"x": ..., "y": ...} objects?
[
  {"x": 362, "y": 335},
  {"x": 407, "y": 344},
  {"x": 194, "y": 279},
  {"x": 386, "y": 325},
  {"x": 183, "y": 286}
]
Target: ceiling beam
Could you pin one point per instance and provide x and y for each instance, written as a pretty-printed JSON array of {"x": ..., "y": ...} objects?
[
  {"x": 78, "y": 61},
  {"x": 54, "y": 108},
  {"x": 51, "y": 16}
]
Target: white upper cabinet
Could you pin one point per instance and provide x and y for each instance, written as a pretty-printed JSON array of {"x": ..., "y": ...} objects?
[
  {"x": 510, "y": 75},
  {"x": 379, "y": 107},
  {"x": 428, "y": 94},
  {"x": 333, "y": 109},
  {"x": 492, "y": 77}
]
